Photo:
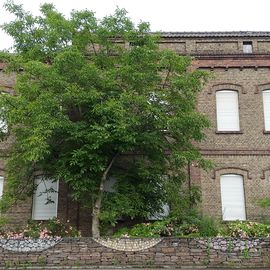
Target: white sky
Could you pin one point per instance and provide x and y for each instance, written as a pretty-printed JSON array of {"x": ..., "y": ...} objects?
[{"x": 166, "y": 15}]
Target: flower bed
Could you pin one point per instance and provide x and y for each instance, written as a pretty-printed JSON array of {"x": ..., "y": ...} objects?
[
  {"x": 51, "y": 229},
  {"x": 234, "y": 229}
]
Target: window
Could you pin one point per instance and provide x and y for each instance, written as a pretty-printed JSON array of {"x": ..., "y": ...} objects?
[
  {"x": 3, "y": 122},
  {"x": 232, "y": 197},
  {"x": 109, "y": 185},
  {"x": 247, "y": 47},
  {"x": 227, "y": 110},
  {"x": 162, "y": 214},
  {"x": 3, "y": 125},
  {"x": 1, "y": 186},
  {"x": 266, "y": 109},
  {"x": 45, "y": 199}
]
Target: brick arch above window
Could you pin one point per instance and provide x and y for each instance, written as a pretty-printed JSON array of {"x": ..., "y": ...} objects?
[
  {"x": 226, "y": 86},
  {"x": 261, "y": 87},
  {"x": 216, "y": 173},
  {"x": 265, "y": 173}
]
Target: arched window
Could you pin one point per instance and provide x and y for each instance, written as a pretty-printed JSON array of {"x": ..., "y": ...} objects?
[
  {"x": 266, "y": 109},
  {"x": 232, "y": 197},
  {"x": 227, "y": 110}
]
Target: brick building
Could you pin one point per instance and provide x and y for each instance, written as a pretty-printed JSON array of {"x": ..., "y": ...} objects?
[{"x": 237, "y": 101}]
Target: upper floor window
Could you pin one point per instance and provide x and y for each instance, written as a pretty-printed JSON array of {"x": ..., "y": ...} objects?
[
  {"x": 3, "y": 122},
  {"x": 227, "y": 110},
  {"x": 247, "y": 47},
  {"x": 45, "y": 199},
  {"x": 232, "y": 197},
  {"x": 3, "y": 125},
  {"x": 1, "y": 186},
  {"x": 266, "y": 109}
]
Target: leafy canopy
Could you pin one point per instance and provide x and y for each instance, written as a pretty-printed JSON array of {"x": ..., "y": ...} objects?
[{"x": 89, "y": 91}]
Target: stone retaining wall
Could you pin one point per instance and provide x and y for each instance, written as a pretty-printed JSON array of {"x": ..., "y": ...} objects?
[{"x": 177, "y": 252}]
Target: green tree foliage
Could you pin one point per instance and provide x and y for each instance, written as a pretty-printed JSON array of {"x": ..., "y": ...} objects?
[{"x": 97, "y": 99}]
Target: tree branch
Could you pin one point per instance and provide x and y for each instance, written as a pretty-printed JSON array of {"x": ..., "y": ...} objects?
[
  {"x": 97, "y": 205},
  {"x": 167, "y": 76},
  {"x": 104, "y": 176},
  {"x": 93, "y": 46}
]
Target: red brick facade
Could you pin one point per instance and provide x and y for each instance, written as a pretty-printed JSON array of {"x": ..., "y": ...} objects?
[{"x": 246, "y": 152}]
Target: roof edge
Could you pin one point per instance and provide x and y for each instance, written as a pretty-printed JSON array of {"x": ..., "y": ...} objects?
[{"x": 216, "y": 34}]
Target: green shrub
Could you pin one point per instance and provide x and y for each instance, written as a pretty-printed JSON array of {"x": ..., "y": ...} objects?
[
  {"x": 51, "y": 228},
  {"x": 208, "y": 227},
  {"x": 243, "y": 229},
  {"x": 3, "y": 224},
  {"x": 186, "y": 230},
  {"x": 155, "y": 229},
  {"x": 264, "y": 203},
  {"x": 196, "y": 226}
]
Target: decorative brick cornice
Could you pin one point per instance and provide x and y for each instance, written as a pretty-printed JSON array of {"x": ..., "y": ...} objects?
[
  {"x": 216, "y": 34},
  {"x": 231, "y": 62},
  {"x": 235, "y": 152},
  {"x": 234, "y": 56}
]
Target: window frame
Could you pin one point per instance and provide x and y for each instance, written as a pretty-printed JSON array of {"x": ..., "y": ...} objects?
[
  {"x": 3, "y": 122},
  {"x": 35, "y": 197},
  {"x": 222, "y": 130},
  {"x": 266, "y": 117},
  {"x": 247, "y": 47},
  {"x": 222, "y": 196},
  {"x": 2, "y": 181}
]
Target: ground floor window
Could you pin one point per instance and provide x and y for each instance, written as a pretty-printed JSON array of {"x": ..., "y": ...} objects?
[
  {"x": 45, "y": 199},
  {"x": 232, "y": 197},
  {"x": 1, "y": 186}
]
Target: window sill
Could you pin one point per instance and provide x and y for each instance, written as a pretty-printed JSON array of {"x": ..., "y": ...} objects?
[
  {"x": 266, "y": 132},
  {"x": 229, "y": 132}
]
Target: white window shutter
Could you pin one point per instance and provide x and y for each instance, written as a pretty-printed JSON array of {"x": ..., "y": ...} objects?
[
  {"x": 42, "y": 210},
  {"x": 227, "y": 110},
  {"x": 266, "y": 109},
  {"x": 109, "y": 185},
  {"x": 232, "y": 197},
  {"x": 3, "y": 124},
  {"x": 247, "y": 48},
  {"x": 1, "y": 186}
]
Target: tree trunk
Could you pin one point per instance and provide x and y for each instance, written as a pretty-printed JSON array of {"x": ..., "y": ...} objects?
[{"x": 97, "y": 205}]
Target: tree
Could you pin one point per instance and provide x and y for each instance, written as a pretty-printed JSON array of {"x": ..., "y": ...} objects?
[{"x": 96, "y": 99}]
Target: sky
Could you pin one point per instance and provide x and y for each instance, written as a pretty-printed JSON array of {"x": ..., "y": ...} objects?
[{"x": 165, "y": 15}]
